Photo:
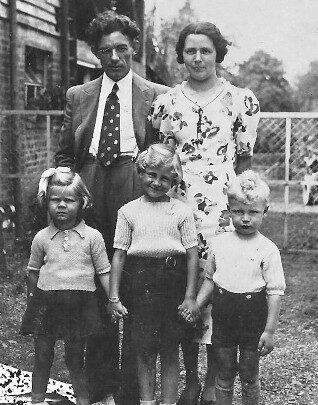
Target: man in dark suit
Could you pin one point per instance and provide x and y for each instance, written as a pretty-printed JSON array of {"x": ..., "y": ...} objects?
[{"x": 104, "y": 129}]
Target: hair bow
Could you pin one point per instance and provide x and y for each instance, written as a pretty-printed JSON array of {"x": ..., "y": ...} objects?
[{"x": 45, "y": 176}]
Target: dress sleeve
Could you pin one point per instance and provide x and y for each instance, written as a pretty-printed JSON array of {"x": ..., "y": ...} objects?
[
  {"x": 99, "y": 254},
  {"x": 160, "y": 119},
  {"x": 36, "y": 260},
  {"x": 245, "y": 125},
  {"x": 273, "y": 273},
  {"x": 211, "y": 264},
  {"x": 122, "y": 239}
]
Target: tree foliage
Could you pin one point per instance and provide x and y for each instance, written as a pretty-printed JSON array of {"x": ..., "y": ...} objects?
[
  {"x": 161, "y": 55},
  {"x": 264, "y": 75},
  {"x": 307, "y": 89}
]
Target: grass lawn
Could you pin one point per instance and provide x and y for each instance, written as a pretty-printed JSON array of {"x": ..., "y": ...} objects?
[{"x": 289, "y": 375}]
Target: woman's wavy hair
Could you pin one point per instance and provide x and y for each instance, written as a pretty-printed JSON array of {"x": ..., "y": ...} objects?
[
  {"x": 67, "y": 180},
  {"x": 203, "y": 28},
  {"x": 107, "y": 22},
  {"x": 161, "y": 155}
]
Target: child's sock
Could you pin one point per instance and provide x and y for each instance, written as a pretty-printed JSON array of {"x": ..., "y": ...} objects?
[
  {"x": 168, "y": 404},
  {"x": 251, "y": 393},
  {"x": 223, "y": 396}
]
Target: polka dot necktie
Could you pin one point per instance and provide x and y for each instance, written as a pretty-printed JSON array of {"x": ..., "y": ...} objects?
[{"x": 109, "y": 144}]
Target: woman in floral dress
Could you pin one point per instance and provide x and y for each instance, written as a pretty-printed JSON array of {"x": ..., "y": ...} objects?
[{"x": 213, "y": 125}]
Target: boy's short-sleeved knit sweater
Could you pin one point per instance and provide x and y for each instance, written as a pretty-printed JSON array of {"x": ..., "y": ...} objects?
[
  {"x": 72, "y": 268},
  {"x": 240, "y": 264},
  {"x": 155, "y": 229}
]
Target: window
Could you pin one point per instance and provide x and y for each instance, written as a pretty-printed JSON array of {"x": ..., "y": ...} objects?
[{"x": 37, "y": 76}]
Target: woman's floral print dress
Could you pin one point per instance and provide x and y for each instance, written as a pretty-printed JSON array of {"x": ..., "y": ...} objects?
[{"x": 208, "y": 138}]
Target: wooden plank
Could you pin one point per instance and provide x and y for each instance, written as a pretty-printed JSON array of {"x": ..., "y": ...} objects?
[
  {"x": 4, "y": 11},
  {"x": 44, "y": 14},
  {"x": 36, "y": 24},
  {"x": 40, "y": 4}
]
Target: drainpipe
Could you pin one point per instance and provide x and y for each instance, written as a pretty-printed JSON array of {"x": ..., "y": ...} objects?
[
  {"x": 14, "y": 104},
  {"x": 65, "y": 45},
  {"x": 13, "y": 54}
]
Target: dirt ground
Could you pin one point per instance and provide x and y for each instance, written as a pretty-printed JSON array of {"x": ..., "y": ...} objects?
[{"x": 289, "y": 375}]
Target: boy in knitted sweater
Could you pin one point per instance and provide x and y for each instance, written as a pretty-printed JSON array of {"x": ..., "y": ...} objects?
[{"x": 247, "y": 281}]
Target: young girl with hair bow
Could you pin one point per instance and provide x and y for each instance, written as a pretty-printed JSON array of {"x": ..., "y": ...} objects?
[{"x": 61, "y": 302}]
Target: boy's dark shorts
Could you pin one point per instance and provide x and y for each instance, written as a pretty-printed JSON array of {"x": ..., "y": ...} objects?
[
  {"x": 154, "y": 288},
  {"x": 238, "y": 319}
]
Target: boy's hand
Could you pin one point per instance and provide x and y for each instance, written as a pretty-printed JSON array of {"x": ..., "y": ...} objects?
[
  {"x": 117, "y": 310},
  {"x": 189, "y": 310},
  {"x": 266, "y": 343}
]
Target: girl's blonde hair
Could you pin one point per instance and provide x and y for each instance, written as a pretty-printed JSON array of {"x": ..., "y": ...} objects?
[
  {"x": 62, "y": 177},
  {"x": 161, "y": 155},
  {"x": 248, "y": 187}
]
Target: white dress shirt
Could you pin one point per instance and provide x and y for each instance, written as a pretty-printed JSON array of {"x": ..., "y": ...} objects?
[{"x": 128, "y": 143}]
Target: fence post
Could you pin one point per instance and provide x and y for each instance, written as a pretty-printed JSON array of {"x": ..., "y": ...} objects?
[
  {"x": 3, "y": 261},
  {"x": 48, "y": 141},
  {"x": 286, "y": 187}
]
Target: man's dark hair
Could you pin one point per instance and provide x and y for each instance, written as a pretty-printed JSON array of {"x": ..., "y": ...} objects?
[{"x": 107, "y": 22}]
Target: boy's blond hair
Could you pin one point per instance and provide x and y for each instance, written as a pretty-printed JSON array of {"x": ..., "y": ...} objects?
[
  {"x": 248, "y": 187},
  {"x": 161, "y": 155}
]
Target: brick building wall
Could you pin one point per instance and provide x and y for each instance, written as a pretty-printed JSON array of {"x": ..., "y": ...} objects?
[{"x": 36, "y": 29}]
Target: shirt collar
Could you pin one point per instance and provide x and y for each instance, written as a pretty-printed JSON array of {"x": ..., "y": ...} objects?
[
  {"x": 123, "y": 83},
  {"x": 79, "y": 228}
]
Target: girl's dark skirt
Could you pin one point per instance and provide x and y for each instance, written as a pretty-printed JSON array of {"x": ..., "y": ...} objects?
[
  {"x": 238, "y": 319},
  {"x": 62, "y": 314},
  {"x": 154, "y": 288}
]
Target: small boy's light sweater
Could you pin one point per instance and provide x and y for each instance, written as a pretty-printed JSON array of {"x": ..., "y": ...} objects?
[
  {"x": 155, "y": 229},
  {"x": 240, "y": 264},
  {"x": 72, "y": 268}
]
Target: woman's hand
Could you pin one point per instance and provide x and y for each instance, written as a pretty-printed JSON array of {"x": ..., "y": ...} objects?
[{"x": 117, "y": 310}]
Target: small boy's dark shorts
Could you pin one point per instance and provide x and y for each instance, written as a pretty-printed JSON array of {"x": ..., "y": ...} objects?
[
  {"x": 154, "y": 288},
  {"x": 238, "y": 319}
]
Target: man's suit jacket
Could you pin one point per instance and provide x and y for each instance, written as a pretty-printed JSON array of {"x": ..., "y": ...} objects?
[{"x": 80, "y": 116}]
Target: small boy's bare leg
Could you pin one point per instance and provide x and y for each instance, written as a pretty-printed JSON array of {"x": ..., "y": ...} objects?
[
  {"x": 146, "y": 369},
  {"x": 169, "y": 373}
]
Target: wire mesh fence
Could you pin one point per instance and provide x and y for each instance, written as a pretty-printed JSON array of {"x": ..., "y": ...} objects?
[{"x": 286, "y": 155}]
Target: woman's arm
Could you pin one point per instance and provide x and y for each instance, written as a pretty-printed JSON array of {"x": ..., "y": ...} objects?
[
  {"x": 266, "y": 342},
  {"x": 242, "y": 163},
  {"x": 205, "y": 292}
]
